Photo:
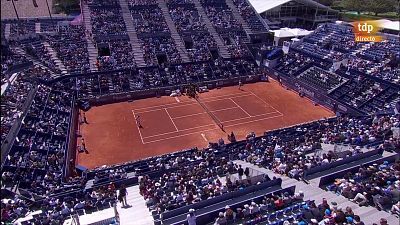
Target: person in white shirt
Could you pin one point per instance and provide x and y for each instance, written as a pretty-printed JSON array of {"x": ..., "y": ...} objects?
[
  {"x": 65, "y": 210},
  {"x": 179, "y": 197},
  {"x": 221, "y": 220},
  {"x": 191, "y": 218},
  {"x": 254, "y": 208},
  {"x": 79, "y": 205}
]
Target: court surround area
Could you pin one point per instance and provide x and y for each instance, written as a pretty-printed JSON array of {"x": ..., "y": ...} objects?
[{"x": 172, "y": 123}]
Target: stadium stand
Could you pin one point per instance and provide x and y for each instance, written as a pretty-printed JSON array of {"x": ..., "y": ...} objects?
[
  {"x": 368, "y": 73},
  {"x": 374, "y": 185},
  {"x": 70, "y": 48},
  {"x": 46, "y": 73},
  {"x": 250, "y": 151}
]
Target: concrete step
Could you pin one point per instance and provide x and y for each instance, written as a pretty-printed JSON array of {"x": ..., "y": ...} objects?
[
  {"x": 174, "y": 33},
  {"x": 134, "y": 40},
  {"x": 20, "y": 51},
  {"x": 92, "y": 50},
  {"x": 54, "y": 57},
  {"x": 37, "y": 28},
  {"x": 86, "y": 17},
  {"x": 238, "y": 16},
  {"x": 223, "y": 50},
  {"x": 7, "y": 31}
]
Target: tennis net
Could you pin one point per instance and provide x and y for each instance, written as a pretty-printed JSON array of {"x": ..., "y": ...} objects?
[{"x": 216, "y": 120}]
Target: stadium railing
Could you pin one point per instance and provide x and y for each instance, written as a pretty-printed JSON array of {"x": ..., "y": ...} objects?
[
  {"x": 221, "y": 198},
  {"x": 208, "y": 214},
  {"x": 330, "y": 178},
  {"x": 6, "y": 147},
  {"x": 314, "y": 172}
]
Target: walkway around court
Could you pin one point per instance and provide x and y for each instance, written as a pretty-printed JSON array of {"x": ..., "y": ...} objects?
[{"x": 136, "y": 214}]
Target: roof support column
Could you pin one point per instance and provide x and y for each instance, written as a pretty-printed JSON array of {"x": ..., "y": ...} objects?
[{"x": 315, "y": 17}]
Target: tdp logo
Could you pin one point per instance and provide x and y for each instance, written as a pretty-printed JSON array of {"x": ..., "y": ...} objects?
[
  {"x": 365, "y": 27},
  {"x": 365, "y": 31}
]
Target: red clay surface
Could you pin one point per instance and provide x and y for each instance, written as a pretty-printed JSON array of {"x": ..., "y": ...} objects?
[{"x": 171, "y": 124}]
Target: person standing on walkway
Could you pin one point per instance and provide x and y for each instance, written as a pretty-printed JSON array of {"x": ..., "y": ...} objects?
[
  {"x": 122, "y": 195},
  {"x": 247, "y": 172},
  {"x": 191, "y": 218},
  {"x": 83, "y": 144},
  {"x": 278, "y": 78},
  {"x": 240, "y": 172},
  {"x": 84, "y": 118}
]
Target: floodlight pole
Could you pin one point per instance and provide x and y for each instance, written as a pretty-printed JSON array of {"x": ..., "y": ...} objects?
[
  {"x": 48, "y": 8},
  {"x": 15, "y": 9}
]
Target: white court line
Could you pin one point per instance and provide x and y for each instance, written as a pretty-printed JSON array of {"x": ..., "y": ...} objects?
[
  {"x": 253, "y": 121},
  {"x": 219, "y": 110},
  {"x": 177, "y": 99},
  {"x": 161, "y": 107},
  {"x": 240, "y": 107},
  {"x": 204, "y": 137},
  {"x": 165, "y": 105},
  {"x": 190, "y": 102},
  {"x": 140, "y": 134},
  {"x": 248, "y": 117},
  {"x": 178, "y": 106},
  {"x": 195, "y": 114},
  {"x": 252, "y": 94},
  {"x": 221, "y": 96},
  {"x": 266, "y": 103},
  {"x": 171, "y": 119},
  {"x": 171, "y": 132},
  {"x": 182, "y": 135}
]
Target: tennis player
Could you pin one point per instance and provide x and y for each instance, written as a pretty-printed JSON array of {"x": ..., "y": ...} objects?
[{"x": 138, "y": 121}]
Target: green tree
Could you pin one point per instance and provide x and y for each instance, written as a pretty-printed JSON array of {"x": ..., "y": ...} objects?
[
  {"x": 380, "y": 6},
  {"x": 354, "y": 5},
  {"x": 337, "y": 5},
  {"x": 326, "y": 2},
  {"x": 66, "y": 6}
]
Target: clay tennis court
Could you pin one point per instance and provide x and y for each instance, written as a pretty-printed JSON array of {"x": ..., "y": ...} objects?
[{"x": 175, "y": 123}]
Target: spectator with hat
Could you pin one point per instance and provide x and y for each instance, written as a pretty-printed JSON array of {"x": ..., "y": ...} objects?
[
  {"x": 229, "y": 214},
  {"x": 221, "y": 220},
  {"x": 191, "y": 217}
]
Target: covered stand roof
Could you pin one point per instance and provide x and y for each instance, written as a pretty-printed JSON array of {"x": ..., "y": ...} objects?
[
  {"x": 288, "y": 32},
  {"x": 264, "y": 5},
  {"x": 390, "y": 25}
]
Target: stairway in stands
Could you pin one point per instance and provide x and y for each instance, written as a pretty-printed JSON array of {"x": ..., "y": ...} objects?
[
  {"x": 223, "y": 50},
  {"x": 7, "y": 31},
  {"x": 20, "y": 51},
  {"x": 37, "y": 28},
  {"x": 54, "y": 57},
  {"x": 92, "y": 50},
  {"x": 136, "y": 45},
  {"x": 174, "y": 33},
  {"x": 239, "y": 18}
]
